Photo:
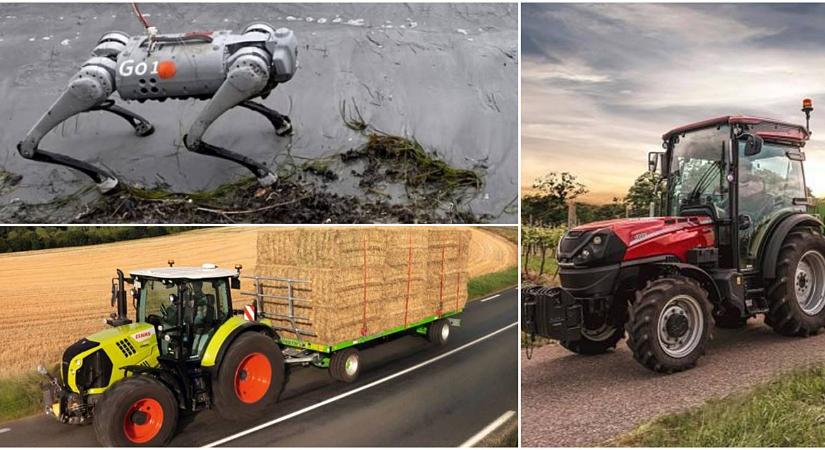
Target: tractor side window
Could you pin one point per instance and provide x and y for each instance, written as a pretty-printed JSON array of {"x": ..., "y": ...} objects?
[
  {"x": 768, "y": 183},
  {"x": 154, "y": 300}
]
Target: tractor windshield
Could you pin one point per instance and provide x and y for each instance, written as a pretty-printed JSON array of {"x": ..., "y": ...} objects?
[
  {"x": 154, "y": 300},
  {"x": 697, "y": 170}
]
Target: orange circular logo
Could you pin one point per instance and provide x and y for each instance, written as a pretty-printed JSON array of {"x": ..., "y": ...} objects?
[{"x": 167, "y": 69}]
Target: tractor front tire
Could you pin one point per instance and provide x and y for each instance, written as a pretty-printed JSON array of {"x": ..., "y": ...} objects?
[
  {"x": 136, "y": 411},
  {"x": 250, "y": 377},
  {"x": 796, "y": 298},
  {"x": 595, "y": 344},
  {"x": 670, "y": 324}
]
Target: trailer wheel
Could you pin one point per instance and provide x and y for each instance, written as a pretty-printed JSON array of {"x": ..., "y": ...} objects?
[
  {"x": 345, "y": 365},
  {"x": 595, "y": 342},
  {"x": 796, "y": 297},
  {"x": 250, "y": 377},
  {"x": 439, "y": 332},
  {"x": 670, "y": 324},
  {"x": 136, "y": 411}
]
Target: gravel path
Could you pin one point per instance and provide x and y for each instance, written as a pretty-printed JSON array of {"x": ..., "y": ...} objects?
[{"x": 572, "y": 400}]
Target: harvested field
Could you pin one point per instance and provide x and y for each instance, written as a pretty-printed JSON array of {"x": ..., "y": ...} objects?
[{"x": 51, "y": 298}]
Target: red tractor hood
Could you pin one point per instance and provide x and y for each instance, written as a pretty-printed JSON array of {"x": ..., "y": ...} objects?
[{"x": 654, "y": 236}]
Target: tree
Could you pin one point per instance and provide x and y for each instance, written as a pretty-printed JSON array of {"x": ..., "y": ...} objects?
[
  {"x": 642, "y": 193},
  {"x": 549, "y": 205},
  {"x": 558, "y": 189}
]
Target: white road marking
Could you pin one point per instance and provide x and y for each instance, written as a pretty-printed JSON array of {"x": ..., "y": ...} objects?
[
  {"x": 490, "y": 298},
  {"x": 488, "y": 429},
  {"x": 4, "y": 430},
  {"x": 356, "y": 390}
]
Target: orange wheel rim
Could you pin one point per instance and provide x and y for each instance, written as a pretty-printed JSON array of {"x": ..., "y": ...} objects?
[
  {"x": 252, "y": 378},
  {"x": 143, "y": 420}
]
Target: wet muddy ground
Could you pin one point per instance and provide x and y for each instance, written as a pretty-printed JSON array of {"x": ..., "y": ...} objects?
[{"x": 443, "y": 76}]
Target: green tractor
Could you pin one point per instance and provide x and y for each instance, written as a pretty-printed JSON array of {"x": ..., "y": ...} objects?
[{"x": 186, "y": 350}]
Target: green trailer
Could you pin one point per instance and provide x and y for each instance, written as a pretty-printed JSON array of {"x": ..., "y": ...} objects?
[{"x": 188, "y": 348}]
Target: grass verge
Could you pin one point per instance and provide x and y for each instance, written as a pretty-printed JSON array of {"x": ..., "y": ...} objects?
[
  {"x": 786, "y": 412},
  {"x": 492, "y": 282},
  {"x": 20, "y": 396}
]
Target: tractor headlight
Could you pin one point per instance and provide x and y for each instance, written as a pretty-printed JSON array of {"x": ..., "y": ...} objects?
[{"x": 602, "y": 248}]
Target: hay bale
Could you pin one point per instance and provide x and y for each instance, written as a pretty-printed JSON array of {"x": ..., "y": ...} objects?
[{"x": 364, "y": 280}]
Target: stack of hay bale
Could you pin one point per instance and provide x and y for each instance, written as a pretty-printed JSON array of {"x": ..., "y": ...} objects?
[{"x": 362, "y": 281}]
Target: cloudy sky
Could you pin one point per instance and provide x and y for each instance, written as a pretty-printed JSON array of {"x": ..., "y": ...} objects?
[{"x": 602, "y": 82}]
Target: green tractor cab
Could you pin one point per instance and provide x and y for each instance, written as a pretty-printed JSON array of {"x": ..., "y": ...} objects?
[{"x": 186, "y": 350}]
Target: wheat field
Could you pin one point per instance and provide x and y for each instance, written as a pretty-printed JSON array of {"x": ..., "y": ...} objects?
[{"x": 51, "y": 298}]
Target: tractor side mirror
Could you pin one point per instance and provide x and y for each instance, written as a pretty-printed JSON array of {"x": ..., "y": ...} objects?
[
  {"x": 653, "y": 161},
  {"x": 753, "y": 144},
  {"x": 235, "y": 283}
]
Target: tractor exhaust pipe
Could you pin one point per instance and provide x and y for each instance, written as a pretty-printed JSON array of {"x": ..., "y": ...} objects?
[{"x": 121, "y": 296}]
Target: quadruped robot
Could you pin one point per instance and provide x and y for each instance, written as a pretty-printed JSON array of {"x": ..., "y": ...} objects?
[{"x": 226, "y": 68}]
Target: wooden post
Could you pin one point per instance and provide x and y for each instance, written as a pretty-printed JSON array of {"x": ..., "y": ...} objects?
[{"x": 571, "y": 215}]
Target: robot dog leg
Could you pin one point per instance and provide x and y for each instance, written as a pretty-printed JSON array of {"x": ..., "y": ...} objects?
[
  {"x": 89, "y": 90},
  {"x": 247, "y": 77}
]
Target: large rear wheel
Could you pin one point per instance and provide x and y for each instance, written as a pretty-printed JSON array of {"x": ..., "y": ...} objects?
[
  {"x": 669, "y": 324},
  {"x": 137, "y": 411},
  {"x": 250, "y": 377},
  {"x": 796, "y": 297}
]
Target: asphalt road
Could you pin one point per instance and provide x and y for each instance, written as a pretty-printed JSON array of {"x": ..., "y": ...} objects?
[
  {"x": 445, "y": 74},
  {"x": 410, "y": 394},
  {"x": 572, "y": 400}
]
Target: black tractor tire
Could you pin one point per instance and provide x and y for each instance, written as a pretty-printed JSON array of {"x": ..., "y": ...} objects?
[
  {"x": 785, "y": 314},
  {"x": 643, "y": 325},
  {"x": 730, "y": 321},
  {"x": 345, "y": 365},
  {"x": 589, "y": 347},
  {"x": 250, "y": 377},
  {"x": 127, "y": 415},
  {"x": 439, "y": 332}
]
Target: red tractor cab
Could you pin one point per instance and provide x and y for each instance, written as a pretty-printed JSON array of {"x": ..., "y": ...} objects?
[{"x": 735, "y": 241}]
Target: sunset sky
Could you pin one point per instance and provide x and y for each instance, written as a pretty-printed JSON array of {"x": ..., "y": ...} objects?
[{"x": 601, "y": 83}]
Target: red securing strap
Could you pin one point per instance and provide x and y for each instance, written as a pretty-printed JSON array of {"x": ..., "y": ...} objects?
[
  {"x": 409, "y": 280},
  {"x": 441, "y": 288},
  {"x": 364, "y": 326},
  {"x": 458, "y": 277}
]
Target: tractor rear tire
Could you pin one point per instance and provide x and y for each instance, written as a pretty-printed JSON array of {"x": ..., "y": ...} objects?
[
  {"x": 136, "y": 411},
  {"x": 439, "y": 332},
  {"x": 345, "y": 365},
  {"x": 786, "y": 314},
  {"x": 250, "y": 377},
  {"x": 590, "y": 345},
  {"x": 670, "y": 324}
]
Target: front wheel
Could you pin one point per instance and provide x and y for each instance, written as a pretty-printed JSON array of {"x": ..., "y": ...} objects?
[
  {"x": 137, "y": 411},
  {"x": 250, "y": 377},
  {"x": 669, "y": 324}
]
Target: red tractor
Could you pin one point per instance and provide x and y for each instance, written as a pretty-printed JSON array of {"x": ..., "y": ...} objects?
[{"x": 735, "y": 241}]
